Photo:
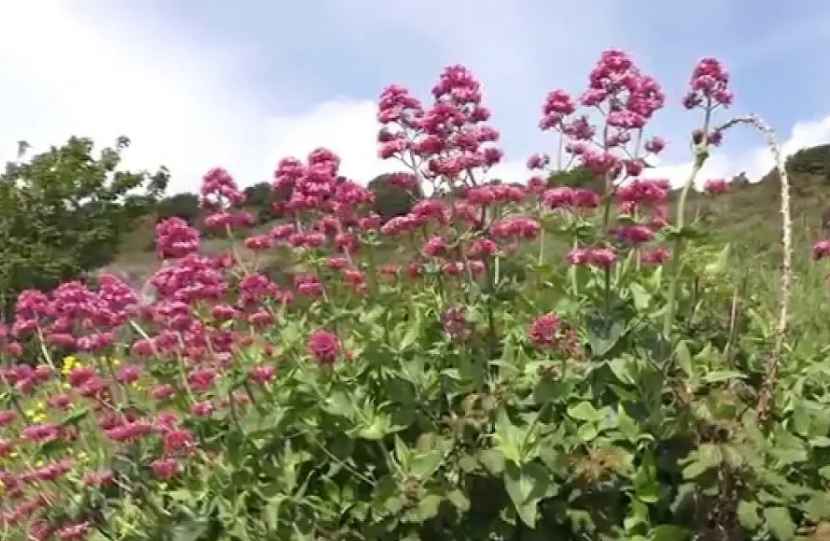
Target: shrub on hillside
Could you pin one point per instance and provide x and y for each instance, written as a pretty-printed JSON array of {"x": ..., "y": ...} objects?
[
  {"x": 395, "y": 194},
  {"x": 182, "y": 205}
]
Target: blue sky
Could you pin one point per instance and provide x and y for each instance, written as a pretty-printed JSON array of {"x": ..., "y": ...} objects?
[{"x": 241, "y": 84}]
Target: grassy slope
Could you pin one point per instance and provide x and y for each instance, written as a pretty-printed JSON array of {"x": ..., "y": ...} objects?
[{"x": 747, "y": 217}]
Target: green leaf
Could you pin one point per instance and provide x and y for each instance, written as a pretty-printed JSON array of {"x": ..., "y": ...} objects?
[
  {"x": 722, "y": 375},
  {"x": 75, "y": 417},
  {"x": 547, "y": 390},
  {"x": 704, "y": 458},
  {"x": 508, "y": 438},
  {"x": 585, "y": 411},
  {"x": 190, "y": 530},
  {"x": 412, "y": 332},
  {"x": 788, "y": 449},
  {"x": 627, "y": 425},
  {"x": 603, "y": 334},
  {"x": 424, "y": 465},
  {"x": 646, "y": 485},
  {"x": 527, "y": 485},
  {"x": 642, "y": 298},
  {"x": 623, "y": 368},
  {"x": 493, "y": 460},
  {"x": 719, "y": 265},
  {"x": 587, "y": 432},
  {"x": 684, "y": 359},
  {"x": 825, "y": 472},
  {"x": 428, "y": 506},
  {"x": 459, "y": 500},
  {"x": 748, "y": 515},
  {"x": 780, "y": 523},
  {"x": 272, "y": 510},
  {"x": 818, "y": 507},
  {"x": 669, "y": 532}
]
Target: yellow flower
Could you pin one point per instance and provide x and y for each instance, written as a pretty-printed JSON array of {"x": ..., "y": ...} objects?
[{"x": 70, "y": 362}]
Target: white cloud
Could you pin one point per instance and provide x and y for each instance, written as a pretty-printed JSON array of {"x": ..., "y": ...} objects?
[
  {"x": 65, "y": 76},
  {"x": 346, "y": 126},
  {"x": 755, "y": 162},
  {"x": 510, "y": 171}
]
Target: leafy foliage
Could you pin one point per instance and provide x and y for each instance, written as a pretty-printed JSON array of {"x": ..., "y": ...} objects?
[{"x": 483, "y": 388}]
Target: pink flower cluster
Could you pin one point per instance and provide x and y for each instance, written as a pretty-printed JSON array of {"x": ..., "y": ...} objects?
[
  {"x": 543, "y": 332},
  {"x": 709, "y": 85},
  {"x": 448, "y": 140},
  {"x": 570, "y": 198},
  {"x": 716, "y": 186},
  {"x": 175, "y": 238},
  {"x": 220, "y": 196},
  {"x": 595, "y": 257},
  {"x": 821, "y": 249},
  {"x": 626, "y": 100},
  {"x": 73, "y": 316}
]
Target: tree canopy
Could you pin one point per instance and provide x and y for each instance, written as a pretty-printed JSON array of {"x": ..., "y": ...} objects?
[{"x": 64, "y": 211}]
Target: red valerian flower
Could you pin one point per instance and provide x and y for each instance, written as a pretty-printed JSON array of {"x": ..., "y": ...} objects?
[
  {"x": 99, "y": 478},
  {"x": 716, "y": 186},
  {"x": 324, "y": 346},
  {"x": 821, "y": 249},
  {"x": 202, "y": 409},
  {"x": 175, "y": 238},
  {"x": 543, "y": 330},
  {"x": 262, "y": 373},
  {"x": 178, "y": 441},
  {"x": 41, "y": 433},
  {"x": 73, "y": 531},
  {"x": 709, "y": 85},
  {"x": 7, "y": 417},
  {"x": 657, "y": 256},
  {"x": 165, "y": 468},
  {"x": 595, "y": 257},
  {"x": 635, "y": 234},
  {"x": 163, "y": 391},
  {"x": 454, "y": 321},
  {"x": 644, "y": 192},
  {"x": 258, "y": 242},
  {"x": 435, "y": 247}
]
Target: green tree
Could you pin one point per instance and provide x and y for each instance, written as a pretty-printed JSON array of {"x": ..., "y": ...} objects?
[
  {"x": 65, "y": 210},
  {"x": 261, "y": 198},
  {"x": 182, "y": 205},
  {"x": 578, "y": 177},
  {"x": 390, "y": 199}
]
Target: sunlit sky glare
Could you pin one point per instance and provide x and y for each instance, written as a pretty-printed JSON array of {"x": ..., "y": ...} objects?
[{"x": 197, "y": 84}]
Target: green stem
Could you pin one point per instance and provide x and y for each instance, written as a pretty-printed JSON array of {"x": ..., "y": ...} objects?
[
  {"x": 701, "y": 153},
  {"x": 608, "y": 292},
  {"x": 677, "y": 252}
]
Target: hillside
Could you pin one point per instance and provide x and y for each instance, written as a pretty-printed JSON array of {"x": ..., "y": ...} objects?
[{"x": 747, "y": 216}]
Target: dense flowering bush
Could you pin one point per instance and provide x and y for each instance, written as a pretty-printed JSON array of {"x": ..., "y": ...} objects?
[{"x": 436, "y": 376}]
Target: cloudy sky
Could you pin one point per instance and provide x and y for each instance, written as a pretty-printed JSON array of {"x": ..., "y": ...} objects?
[{"x": 196, "y": 84}]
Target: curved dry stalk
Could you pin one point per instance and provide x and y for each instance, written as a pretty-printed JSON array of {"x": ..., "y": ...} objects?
[{"x": 774, "y": 360}]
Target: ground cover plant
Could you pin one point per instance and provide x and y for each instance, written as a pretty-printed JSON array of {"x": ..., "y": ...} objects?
[{"x": 481, "y": 387}]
